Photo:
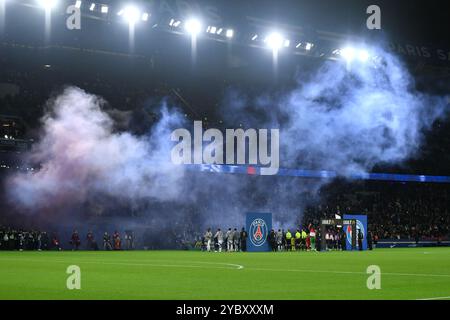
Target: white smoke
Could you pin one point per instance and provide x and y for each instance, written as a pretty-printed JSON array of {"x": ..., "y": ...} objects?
[
  {"x": 348, "y": 119},
  {"x": 336, "y": 119},
  {"x": 80, "y": 155}
]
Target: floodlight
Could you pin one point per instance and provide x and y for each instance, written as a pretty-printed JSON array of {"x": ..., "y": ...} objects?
[
  {"x": 363, "y": 55},
  {"x": 348, "y": 53},
  {"x": 92, "y": 7},
  {"x": 211, "y": 29},
  {"x": 287, "y": 43},
  {"x": 48, "y": 4},
  {"x": 229, "y": 33},
  {"x": 174, "y": 23},
  {"x": 309, "y": 46},
  {"x": 104, "y": 9},
  {"x": 78, "y": 4},
  {"x": 145, "y": 16},
  {"x": 254, "y": 37},
  {"x": 131, "y": 14},
  {"x": 193, "y": 26},
  {"x": 274, "y": 41}
]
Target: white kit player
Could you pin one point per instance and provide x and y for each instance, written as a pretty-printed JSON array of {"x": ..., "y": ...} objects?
[
  {"x": 208, "y": 238},
  {"x": 219, "y": 236},
  {"x": 229, "y": 236}
]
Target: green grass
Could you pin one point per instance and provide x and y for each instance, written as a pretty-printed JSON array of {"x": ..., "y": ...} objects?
[{"x": 405, "y": 274}]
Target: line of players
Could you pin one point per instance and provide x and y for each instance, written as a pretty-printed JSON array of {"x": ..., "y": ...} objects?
[
  {"x": 234, "y": 241},
  {"x": 288, "y": 241},
  {"x": 231, "y": 241}
]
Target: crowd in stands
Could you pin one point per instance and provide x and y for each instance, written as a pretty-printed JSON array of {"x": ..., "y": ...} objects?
[{"x": 395, "y": 211}]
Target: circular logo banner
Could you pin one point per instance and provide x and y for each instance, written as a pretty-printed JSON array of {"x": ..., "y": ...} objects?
[{"x": 258, "y": 232}]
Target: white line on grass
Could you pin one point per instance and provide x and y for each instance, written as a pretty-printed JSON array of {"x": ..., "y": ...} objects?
[
  {"x": 232, "y": 265},
  {"x": 437, "y": 298},
  {"x": 350, "y": 272}
]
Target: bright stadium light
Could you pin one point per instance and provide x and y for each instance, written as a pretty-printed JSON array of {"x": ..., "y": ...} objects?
[
  {"x": 287, "y": 43},
  {"x": 92, "y": 7},
  {"x": 363, "y": 55},
  {"x": 131, "y": 14},
  {"x": 78, "y": 4},
  {"x": 274, "y": 41},
  {"x": 255, "y": 36},
  {"x": 309, "y": 46},
  {"x": 211, "y": 29},
  {"x": 104, "y": 9},
  {"x": 145, "y": 16},
  {"x": 348, "y": 53},
  {"x": 174, "y": 23},
  {"x": 48, "y": 4},
  {"x": 193, "y": 26},
  {"x": 230, "y": 33}
]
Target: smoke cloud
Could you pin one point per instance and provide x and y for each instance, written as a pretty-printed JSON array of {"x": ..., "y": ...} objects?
[
  {"x": 346, "y": 118},
  {"x": 81, "y": 156},
  {"x": 337, "y": 118}
]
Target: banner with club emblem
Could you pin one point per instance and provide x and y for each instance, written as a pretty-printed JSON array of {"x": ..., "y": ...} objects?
[
  {"x": 258, "y": 228},
  {"x": 361, "y": 225}
]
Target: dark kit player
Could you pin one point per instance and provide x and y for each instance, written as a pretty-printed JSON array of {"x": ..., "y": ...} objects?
[
  {"x": 243, "y": 239},
  {"x": 360, "y": 240},
  {"x": 75, "y": 240}
]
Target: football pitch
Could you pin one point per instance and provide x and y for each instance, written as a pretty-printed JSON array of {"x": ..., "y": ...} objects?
[{"x": 416, "y": 273}]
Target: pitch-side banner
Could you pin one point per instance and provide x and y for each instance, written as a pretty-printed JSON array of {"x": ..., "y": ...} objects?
[
  {"x": 361, "y": 224},
  {"x": 258, "y": 227}
]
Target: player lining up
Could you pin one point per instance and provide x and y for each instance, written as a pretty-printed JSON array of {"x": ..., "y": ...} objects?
[{"x": 232, "y": 240}]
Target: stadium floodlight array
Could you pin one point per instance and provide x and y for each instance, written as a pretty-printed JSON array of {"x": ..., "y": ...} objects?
[
  {"x": 351, "y": 54},
  {"x": 274, "y": 41},
  {"x": 211, "y": 29},
  {"x": 48, "y": 4},
  {"x": 309, "y": 46},
  {"x": 130, "y": 14},
  {"x": 174, "y": 23},
  {"x": 145, "y": 16},
  {"x": 193, "y": 26},
  {"x": 230, "y": 33}
]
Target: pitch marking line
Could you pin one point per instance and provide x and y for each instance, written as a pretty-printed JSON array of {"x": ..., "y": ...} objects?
[
  {"x": 351, "y": 272},
  {"x": 437, "y": 298},
  {"x": 231, "y": 266}
]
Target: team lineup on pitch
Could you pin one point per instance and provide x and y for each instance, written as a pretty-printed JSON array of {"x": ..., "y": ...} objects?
[{"x": 413, "y": 273}]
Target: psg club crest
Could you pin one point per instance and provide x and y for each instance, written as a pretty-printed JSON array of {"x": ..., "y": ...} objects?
[
  {"x": 359, "y": 226},
  {"x": 258, "y": 232}
]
